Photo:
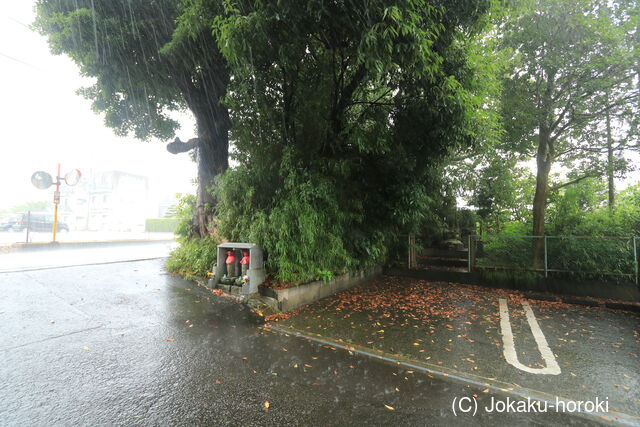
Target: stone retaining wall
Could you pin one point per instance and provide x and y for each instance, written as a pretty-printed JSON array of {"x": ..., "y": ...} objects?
[
  {"x": 625, "y": 291},
  {"x": 292, "y": 298}
]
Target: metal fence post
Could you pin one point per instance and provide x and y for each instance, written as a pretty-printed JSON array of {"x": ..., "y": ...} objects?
[
  {"x": 469, "y": 253},
  {"x": 635, "y": 256},
  {"x": 546, "y": 267}
]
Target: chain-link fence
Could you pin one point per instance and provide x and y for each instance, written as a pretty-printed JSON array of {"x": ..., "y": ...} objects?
[{"x": 578, "y": 256}]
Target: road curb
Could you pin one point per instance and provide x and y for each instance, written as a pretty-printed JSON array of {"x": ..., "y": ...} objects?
[
  {"x": 586, "y": 302},
  {"x": 622, "y": 306},
  {"x": 499, "y": 387},
  {"x": 587, "y": 289}
]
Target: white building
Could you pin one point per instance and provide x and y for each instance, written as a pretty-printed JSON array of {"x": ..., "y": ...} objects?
[{"x": 106, "y": 201}]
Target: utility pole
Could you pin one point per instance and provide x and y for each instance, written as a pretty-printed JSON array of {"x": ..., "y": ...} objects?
[{"x": 56, "y": 202}]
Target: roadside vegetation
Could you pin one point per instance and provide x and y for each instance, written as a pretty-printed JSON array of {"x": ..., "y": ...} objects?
[
  {"x": 195, "y": 257},
  {"x": 353, "y": 124},
  {"x": 579, "y": 212}
]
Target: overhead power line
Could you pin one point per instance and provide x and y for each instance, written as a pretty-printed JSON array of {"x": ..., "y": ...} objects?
[
  {"x": 19, "y": 61},
  {"x": 19, "y": 22}
]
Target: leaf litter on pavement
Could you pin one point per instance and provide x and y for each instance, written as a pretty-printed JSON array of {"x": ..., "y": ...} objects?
[
  {"x": 447, "y": 324},
  {"x": 392, "y": 306}
]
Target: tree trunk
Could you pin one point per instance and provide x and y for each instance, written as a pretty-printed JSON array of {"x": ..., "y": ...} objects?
[
  {"x": 611, "y": 184},
  {"x": 202, "y": 90},
  {"x": 202, "y": 94},
  {"x": 213, "y": 159},
  {"x": 543, "y": 160}
]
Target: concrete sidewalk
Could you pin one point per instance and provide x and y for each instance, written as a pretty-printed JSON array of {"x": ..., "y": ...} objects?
[{"x": 545, "y": 350}]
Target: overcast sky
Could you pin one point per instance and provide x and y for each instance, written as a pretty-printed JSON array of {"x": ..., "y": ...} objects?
[{"x": 43, "y": 121}]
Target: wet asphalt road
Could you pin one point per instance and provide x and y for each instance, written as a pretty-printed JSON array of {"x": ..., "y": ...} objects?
[
  {"x": 128, "y": 344},
  {"x": 458, "y": 327},
  {"x": 69, "y": 254}
]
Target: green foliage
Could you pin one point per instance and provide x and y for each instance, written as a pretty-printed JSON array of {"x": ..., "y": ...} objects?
[
  {"x": 501, "y": 191},
  {"x": 568, "y": 209},
  {"x": 148, "y": 60},
  {"x": 599, "y": 220},
  {"x": 184, "y": 212},
  {"x": 343, "y": 114},
  {"x": 591, "y": 217},
  {"x": 572, "y": 69},
  {"x": 565, "y": 56},
  {"x": 579, "y": 211},
  {"x": 161, "y": 224},
  {"x": 597, "y": 257},
  {"x": 194, "y": 258},
  {"x": 302, "y": 233},
  {"x": 118, "y": 43},
  {"x": 508, "y": 249}
]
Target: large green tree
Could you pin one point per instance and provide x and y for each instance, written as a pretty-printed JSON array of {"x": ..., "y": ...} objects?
[
  {"x": 343, "y": 113},
  {"x": 571, "y": 65},
  {"x": 500, "y": 190},
  {"x": 149, "y": 59}
]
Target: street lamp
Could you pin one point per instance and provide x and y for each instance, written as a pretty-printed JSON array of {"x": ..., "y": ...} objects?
[{"x": 43, "y": 180}]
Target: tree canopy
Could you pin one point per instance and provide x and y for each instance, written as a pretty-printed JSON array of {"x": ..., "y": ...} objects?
[
  {"x": 149, "y": 59},
  {"x": 352, "y": 123},
  {"x": 343, "y": 113},
  {"x": 571, "y": 66}
]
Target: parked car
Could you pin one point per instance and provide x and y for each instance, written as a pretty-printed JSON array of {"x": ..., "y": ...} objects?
[
  {"x": 37, "y": 222},
  {"x": 7, "y": 222}
]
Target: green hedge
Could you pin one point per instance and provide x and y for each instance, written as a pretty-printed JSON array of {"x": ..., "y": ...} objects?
[{"x": 161, "y": 224}]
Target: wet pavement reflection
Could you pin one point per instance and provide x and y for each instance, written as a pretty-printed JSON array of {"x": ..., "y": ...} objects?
[{"x": 129, "y": 344}]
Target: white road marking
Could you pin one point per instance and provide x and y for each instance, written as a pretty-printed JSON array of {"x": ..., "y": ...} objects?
[{"x": 509, "y": 351}]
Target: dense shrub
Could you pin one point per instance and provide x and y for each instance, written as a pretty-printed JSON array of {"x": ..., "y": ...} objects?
[
  {"x": 340, "y": 140},
  {"x": 302, "y": 231},
  {"x": 578, "y": 238},
  {"x": 194, "y": 258},
  {"x": 184, "y": 212}
]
